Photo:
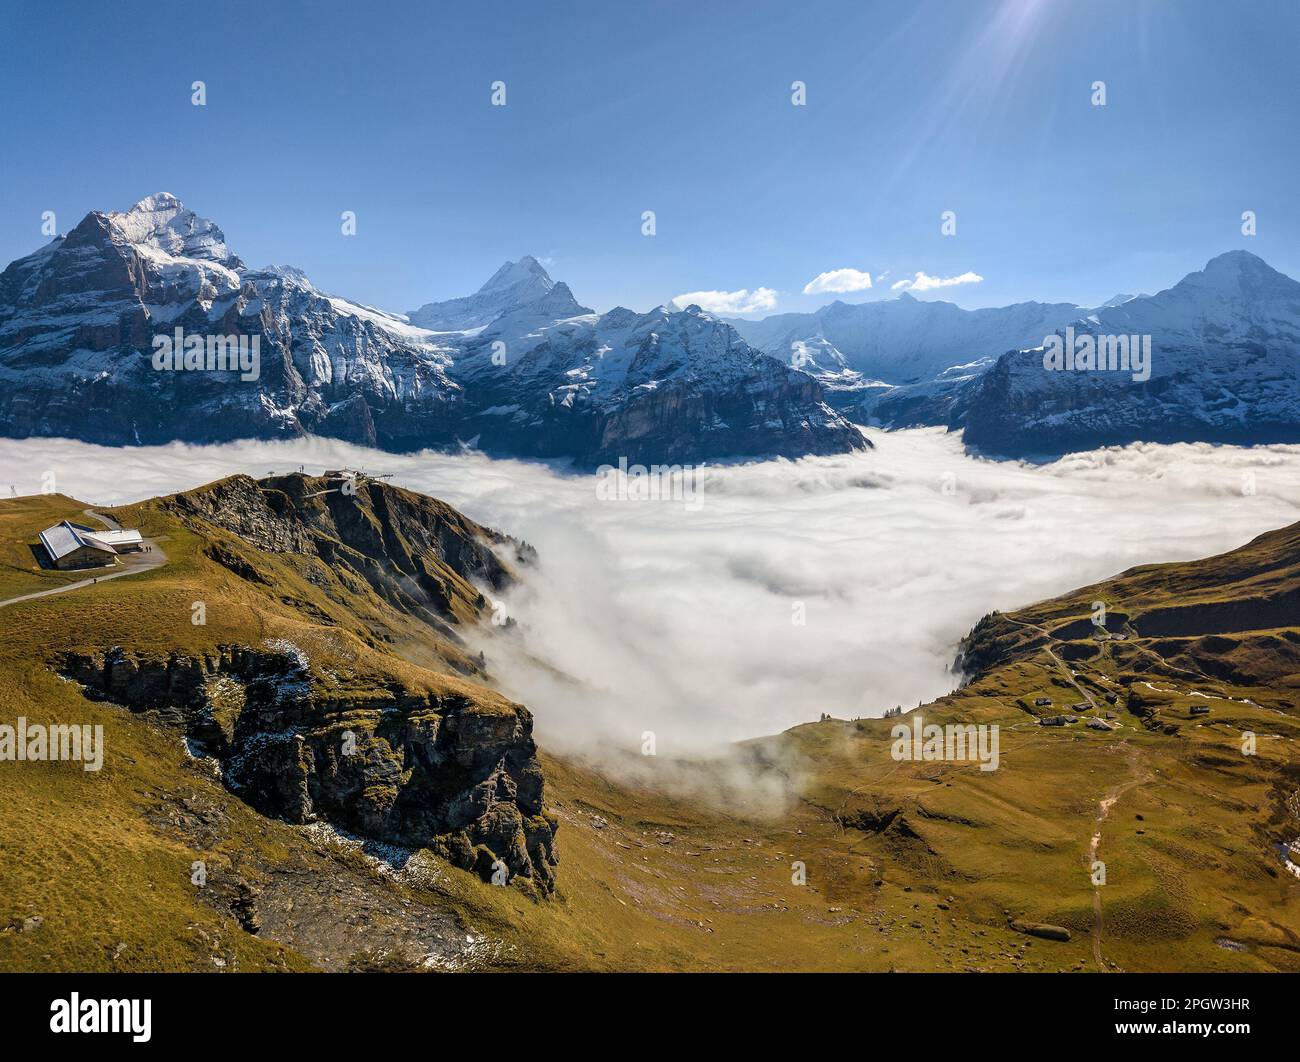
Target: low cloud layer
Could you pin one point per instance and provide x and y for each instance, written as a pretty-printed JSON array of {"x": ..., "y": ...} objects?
[{"x": 680, "y": 618}]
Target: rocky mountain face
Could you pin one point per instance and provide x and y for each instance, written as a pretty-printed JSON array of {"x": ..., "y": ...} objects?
[
  {"x": 78, "y": 319},
  {"x": 1224, "y": 367},
  {"x": 512, "y": 369},
  {"x": 666, "y": 386},
  {"x": 1225, "y": 356},
  {"x": 941, "y": 400}
]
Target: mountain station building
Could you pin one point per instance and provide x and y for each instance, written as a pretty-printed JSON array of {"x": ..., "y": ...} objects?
[{"x": 70, "y": 545}]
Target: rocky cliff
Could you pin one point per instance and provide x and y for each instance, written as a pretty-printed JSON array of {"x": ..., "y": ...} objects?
[
  {"x": 453, "y": 773},
  {"x": 419, "y": 554},
  {"x": 325, "y": 676}
]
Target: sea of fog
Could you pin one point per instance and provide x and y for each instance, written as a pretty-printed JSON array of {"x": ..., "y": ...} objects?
[{"x": 783, "y": 589}]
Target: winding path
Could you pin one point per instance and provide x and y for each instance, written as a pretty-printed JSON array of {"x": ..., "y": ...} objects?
[{"x": 1061, "y": 665}]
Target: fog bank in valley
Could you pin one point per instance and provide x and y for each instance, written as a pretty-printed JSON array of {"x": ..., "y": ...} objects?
[{"x": 783, "y": 589}]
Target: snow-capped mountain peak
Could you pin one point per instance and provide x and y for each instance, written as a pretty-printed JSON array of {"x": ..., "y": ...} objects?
[
  {"x": 288, "y": 274},
  {"x": 900, "y": 341},
  {"x": 163, "y": 223},
  {"x": 1237, "y": 262},
  {"x": 519, "y": 366},
  {"x": 1119, "y": 300},
  {"x": 1235, "y": 272},
  {"x": 517, "y": 286},
  {"x": 527, "y": 273},
  {"x": 1237, "y": 296}
]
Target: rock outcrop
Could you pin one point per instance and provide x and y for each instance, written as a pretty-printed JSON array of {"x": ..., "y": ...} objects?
[
  {"x": 453, "y": 773},
  {"x": 310, "y": 710},
  {"x": 416, "y": 552}
]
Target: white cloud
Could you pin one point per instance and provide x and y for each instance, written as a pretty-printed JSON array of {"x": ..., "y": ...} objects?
[
  {"x": 679, "y": 621},
  {"x": 924, "y": 282},
  {"x": 760, "y": 300},
  {"x": 838, "y": 281}
]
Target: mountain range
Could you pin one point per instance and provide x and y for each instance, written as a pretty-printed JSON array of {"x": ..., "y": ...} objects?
[
  {"x": 900, "y": 341},
  {"x": 1225, "y": 342},
  {"x": 521, "y": 368},
  {"x": 1225, "y": 367},
  {"x": 518, "y": 368}
]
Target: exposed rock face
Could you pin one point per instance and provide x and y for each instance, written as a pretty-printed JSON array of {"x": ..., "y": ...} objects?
[
  {"x": 449, "y": 773},
  {"x": 78, "y": 319},
  {"x": 416, "y": 552},
  {"x": 662, "y": 387},
  {"x": 1224, "y": 364},
  {"x": 239, "y": 505},
  {"x": 368, "y": 743},
  {"x": 520, "y": 366}
]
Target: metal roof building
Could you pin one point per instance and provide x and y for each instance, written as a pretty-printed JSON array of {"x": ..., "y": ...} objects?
[{"x": 72, "y": 545}]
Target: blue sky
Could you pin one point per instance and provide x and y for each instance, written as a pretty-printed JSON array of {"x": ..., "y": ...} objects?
[{"x": 974, "y": 106}]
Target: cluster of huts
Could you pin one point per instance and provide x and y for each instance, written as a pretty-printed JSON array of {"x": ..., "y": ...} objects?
[{"x": 1093, "y": 722}]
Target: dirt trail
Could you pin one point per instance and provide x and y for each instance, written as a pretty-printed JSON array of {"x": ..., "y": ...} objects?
[
  {"x": 1069, "y": 676},
  {"x": 132, "y": 563},
  {"x": 1103, "y": 810}
]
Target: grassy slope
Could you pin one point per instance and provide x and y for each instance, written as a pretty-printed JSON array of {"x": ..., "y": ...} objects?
[
  {"x": 21, "y": 520},
  {"x": 684, "y": 874},
  {"x": 79, "y": 851}
]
